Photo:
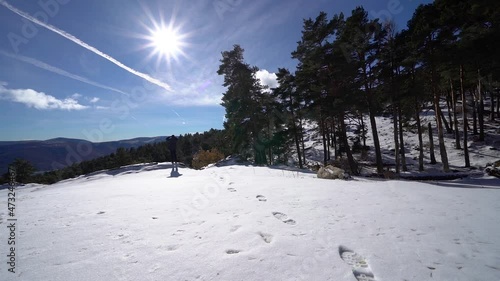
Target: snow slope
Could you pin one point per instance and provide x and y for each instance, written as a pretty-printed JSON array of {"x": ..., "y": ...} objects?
[
  {"x": 481, "y": 153},
  {"x": 252, "y": 223}
]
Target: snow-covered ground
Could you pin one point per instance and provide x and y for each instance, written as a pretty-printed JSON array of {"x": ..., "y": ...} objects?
[{"x": 239, "y": 222}]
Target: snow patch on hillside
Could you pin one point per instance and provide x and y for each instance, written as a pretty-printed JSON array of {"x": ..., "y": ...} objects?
[{"x": 481, "y": 153}]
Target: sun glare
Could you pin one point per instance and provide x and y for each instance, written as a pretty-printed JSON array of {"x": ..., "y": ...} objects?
[{"x": 166, "y": 41}]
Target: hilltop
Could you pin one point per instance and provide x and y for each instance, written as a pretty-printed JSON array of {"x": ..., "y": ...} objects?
[{"x": 240, "y": 222}]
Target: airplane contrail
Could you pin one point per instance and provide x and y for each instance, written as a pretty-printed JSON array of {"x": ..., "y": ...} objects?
[
  {"x": 178, "y": 115},
  {"x": 85, "y": 45},
  {"x": 59, "y": 71}
]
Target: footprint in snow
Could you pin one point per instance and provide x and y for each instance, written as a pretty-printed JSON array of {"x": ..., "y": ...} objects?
[
  {"x": 120, "y": 236},
  {"x": 223, "y": 179},
  {"x": 231, "y": 189},
  {"x": 234, "y": 228},
  {"x": 171, "y": 248},
  {"x": 360, "y": 267},
  {"x": 266, "y": 237},
  {"x": 284, "y": 218},
  {"x": 154, "y": 268},
  {"x": 261, "y": 198},
  {"x": 232, "y": 251}
]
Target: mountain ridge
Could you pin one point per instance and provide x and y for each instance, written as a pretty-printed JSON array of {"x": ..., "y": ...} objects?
[{"x": 60, "y": 152}]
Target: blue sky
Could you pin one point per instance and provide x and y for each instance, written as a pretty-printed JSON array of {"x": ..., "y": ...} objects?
[{"x": 94, "y": 71}]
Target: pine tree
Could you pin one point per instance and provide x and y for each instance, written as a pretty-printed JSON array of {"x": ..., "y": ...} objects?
[
  {"x": 361, "y": 39},
  {"x": 424, "y": 29},
  {"x": 244, "y": 104},
  {"x": 290, "y": 101},
  {"x": 313, "y": 74},
  {"x": 23, "y": 170}
]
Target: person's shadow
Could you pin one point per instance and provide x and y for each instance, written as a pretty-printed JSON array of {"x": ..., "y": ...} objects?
[{"x": 175, "y": 171}]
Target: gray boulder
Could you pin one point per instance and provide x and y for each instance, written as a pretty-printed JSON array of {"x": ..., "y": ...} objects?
[
  {"x": 493, "y": 169},
  {"x": 331, "y": 172}
]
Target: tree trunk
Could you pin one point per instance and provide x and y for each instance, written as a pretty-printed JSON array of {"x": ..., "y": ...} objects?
[
  {"x": 302, "y": 140},
  {"x": 373, "y": 123},
  {"x": 450, "y": 118},
  {"x": 464, "y": 113},
  {"x": 442, "y": 147},
  {"x": 455, "y": 119},
  {"x": 498, "y": 104},
  {"x": 350, "y": 159},
  {"x": 419, "y": 126},
  {"x": 295, "y": 133},
  {"x": 480, "y": 110},
  {"x": 431, "y": 145},
  {"x": 323, "y": 137},
  {"x": 363, "y": 130},
  {"x": 376, "y": 142},
  {"x": 420, "y": 139},
  {"x": 401, "y": 141},
  {"x": 259, "y": 154},
  {"x": 270, "y": 153},
  {"x": 443, "y": 119},
  {"x": 396, "y": 141},
  {"x": 297, "y": 143},
  {"x": 364, "y": 152},
  {"x": 259, "y": 149},
  {"x": 328, "y": 140},
  {"x": 270, "y": 148},
  {"x": 492, "y": 98},
  {"x": 334, "y": 138},
  {"x": 474, "y": 114},
  {"x": 439, "y": 114}
]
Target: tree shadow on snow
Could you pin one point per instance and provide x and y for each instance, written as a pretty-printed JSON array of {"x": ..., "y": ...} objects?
[
  {"x": 291, "y": 169},
  {"x": 136, "y": 168},
  {"x": 129, "y": 169},
  {"x": 490, "y": 183}
]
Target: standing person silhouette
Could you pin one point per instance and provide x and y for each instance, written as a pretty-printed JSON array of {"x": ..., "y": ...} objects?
[{"x": 172, "y": 146}]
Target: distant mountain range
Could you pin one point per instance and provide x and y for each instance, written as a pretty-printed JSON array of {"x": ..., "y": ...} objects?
[{"x": 61, "y": 152}]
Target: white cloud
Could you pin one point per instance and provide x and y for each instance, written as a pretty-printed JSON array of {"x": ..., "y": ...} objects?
[
  {"x": 267, "y": 79},
  {"x": 101, "y": 107},
  {"x": 39, "y": 100},
  {"x": 76, "y": 96},
  {"x": 195, "y": 94},
  {"x": 94, "y": 100},
  {"x": 197, "y": 100}
]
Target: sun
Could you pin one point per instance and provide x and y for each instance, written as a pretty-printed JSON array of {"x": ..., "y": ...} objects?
[{"x": 166, "y": 41}]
